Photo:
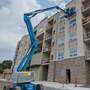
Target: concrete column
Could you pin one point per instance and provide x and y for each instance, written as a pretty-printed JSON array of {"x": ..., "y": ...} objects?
[{"x": 51, "y": 71}]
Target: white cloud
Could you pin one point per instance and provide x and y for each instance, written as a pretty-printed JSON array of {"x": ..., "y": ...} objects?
[
  {"x": 19, "y": 8},
  {"x": 12, "y": 26},
  {"x": 60, "y": 3},
  {"x": 33, "y": 6},
  {"x": 55, "y": 1}
]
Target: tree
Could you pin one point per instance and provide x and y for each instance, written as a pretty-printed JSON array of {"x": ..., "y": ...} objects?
[
  {"x": 1, "y": 68},
  {"x": 7, "y": 64}
]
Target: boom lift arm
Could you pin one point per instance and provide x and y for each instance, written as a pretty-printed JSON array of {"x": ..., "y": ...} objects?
[{"x": 34, "y": 44}]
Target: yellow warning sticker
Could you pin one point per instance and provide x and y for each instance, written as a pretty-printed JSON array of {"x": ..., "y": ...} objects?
[{"x": 26, "y": 74}]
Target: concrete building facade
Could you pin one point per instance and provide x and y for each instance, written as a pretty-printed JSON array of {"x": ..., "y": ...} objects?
[{"x": 64, "y": 52}]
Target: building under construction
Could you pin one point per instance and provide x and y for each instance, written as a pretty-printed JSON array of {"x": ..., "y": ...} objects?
[{"x": 64, "y": 46}]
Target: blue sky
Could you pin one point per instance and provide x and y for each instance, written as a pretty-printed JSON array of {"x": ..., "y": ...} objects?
[{"x": 12, "y": 27}]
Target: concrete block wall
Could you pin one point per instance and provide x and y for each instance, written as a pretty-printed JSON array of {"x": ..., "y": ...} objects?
[
  {"x": 76, "y": 66},
  {"x": 36, "y": 59},
  {"x": 37, "y": 70}
]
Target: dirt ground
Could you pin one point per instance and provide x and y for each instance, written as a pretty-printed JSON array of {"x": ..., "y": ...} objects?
[{"x": 3, "y": 83}]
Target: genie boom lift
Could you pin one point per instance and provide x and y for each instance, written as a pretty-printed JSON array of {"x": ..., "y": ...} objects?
[{"x": 21, "y": 76}]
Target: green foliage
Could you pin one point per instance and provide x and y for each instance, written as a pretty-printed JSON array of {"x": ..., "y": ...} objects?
[
  {"x": 5, "y": 65},
  {"x": 1, "y": 69}
]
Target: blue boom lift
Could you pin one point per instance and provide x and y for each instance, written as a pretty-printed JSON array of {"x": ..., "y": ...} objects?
[{"x": 27, "y": 85}]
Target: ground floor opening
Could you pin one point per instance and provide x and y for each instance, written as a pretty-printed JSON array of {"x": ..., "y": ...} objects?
[
  {"x": 44, "y": 72},
  {"x": 88, "y": 71},
  {"x": 68, "y": 76}
]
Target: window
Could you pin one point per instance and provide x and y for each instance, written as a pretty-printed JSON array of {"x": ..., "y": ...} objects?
[
  {"x": 72, "y": 34},
  {"x": 54, "y": 32},
  {"x": 61, "y": 34},
  {"x": 62, "y": 19},
  {"x": 72, "y": 23},
  {"x": 61, "y": 55},
  {"x": 62, "y": 29},
  {"x": 61, "y": 40},
  {"x": 72, "y": 40},
  {"x": 73, "y": 44},
  {"x": 52, "y": 43},
  {"x": 72, "y": 37},
  {"x": 73, "y": 52},
  {"x": 54, "y": 21},
  {"x": 61, "y": 44},
  {"x": 51, "y": 57}
]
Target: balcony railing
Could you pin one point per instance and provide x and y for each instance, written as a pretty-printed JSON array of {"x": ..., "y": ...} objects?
[
  {"x": 48, "y": 37},
  {"x": 87, "y": 56},
  {"x": 86, "y": 19},
  {"x": 49, "y": 27},
  {"x": 86, "y": 22},
  {"x": 87, "y": 35},
  {"x": 86, "y": 8},
  {"x": 45, "y": 61},
  {"x": 49, "y": 30},
  {"x": 46, "y": 49}
]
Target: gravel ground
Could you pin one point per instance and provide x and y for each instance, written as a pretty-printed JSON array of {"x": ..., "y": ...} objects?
[
  {"x": 58, "y": 86},
  {"x": 4, "y": 82},
  {"x": 49, "y": 85}
]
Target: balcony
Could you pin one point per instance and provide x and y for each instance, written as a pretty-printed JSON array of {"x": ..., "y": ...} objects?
[
  {"x": 50, "y": 23},
  {"x": 40, "y": 37},
  {"x": 40, "y": 42},
  {"x": 48, "y": 34},
  {"x": 86, "y": 8},
  {"x": 47, "y": 49},
  {"x": 87, "y": 37},
  {"x": 48, "y": 37},
  {"x": 45, "y": 61},
  {"x": 86, "y": 22},
  {"x": 87, "y": 51},
  {"x": 49, "y": 30},
  {"x": 87, "y": 56},
  {"x": 49, "y": 27}
]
